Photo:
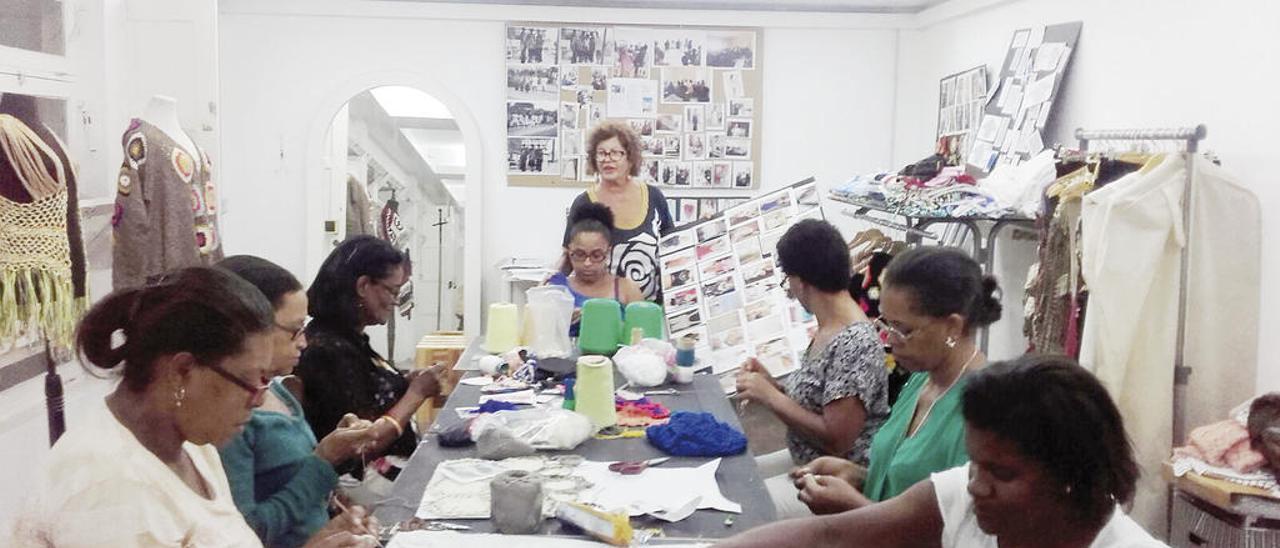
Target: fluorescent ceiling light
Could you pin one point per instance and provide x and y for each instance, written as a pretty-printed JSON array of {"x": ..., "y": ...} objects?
[{"x": 407, "y": 102}]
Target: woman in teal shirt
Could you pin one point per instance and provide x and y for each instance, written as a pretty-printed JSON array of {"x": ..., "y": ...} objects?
[
  {"x": 280, "y": 477},
  {"x": 933, "y": 300}
]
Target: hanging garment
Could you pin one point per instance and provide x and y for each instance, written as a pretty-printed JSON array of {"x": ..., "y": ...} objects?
[
  {"x": 166, "y": 208},
  {"x": 1132, "y": 238},
  {"x": 359, "y": 209},
  {"x": 38, "y": 287}
]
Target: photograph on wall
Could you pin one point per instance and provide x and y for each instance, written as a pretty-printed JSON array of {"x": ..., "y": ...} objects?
[
  {"x": 529, "y": 119},
  {"x": 712, "y": 248},
  {"x": 680, "y": 299},
  {"x": 721, "y": 173},
  {"x": 582, "y": 45},
  {"x": 686, "y": 85},
  {"x": 679, "y": 48},
  {"x": 696, "y": 148},
  {"x": 568, "y": 78},
  {"x": 743, "y": 175},
  {"x": 716, "y": 117},
  {"x": 528, "y": 83},
  {"x": 677, "y": 241},
  {"x": 733, "y": 86},
  {"x": 649, "y": 170},
  {"x": 629, "y": 50},
  {"x": 531, "y": 45},
  {"x": 717, "y": 267},
  {"x": 758, "y": 270},
  {"x": 731, "y": 49},
  {"x": 569, "y": 167},
  {"x": 708, "y": 208},
  {"x": 700, "y": 173},
  {"x": 684, "y": 321},
  {"x": 711, "y": 230},
  {"x": 642, "y": 126},
  {"x": 744, "y": 231},
  {"x": 738, "y": 128},
  {"x": 669, "y": 122},
  {"x": 531, "y": 156},
  {"x": 694, "y": 116},
  {"x": 688, "y": 206},
  {"x": 807, "y": 196},
  {"x": 674, "y": 264},
  {"x": 570, "y": 142},
  {"x": 569, "y": 115},
  {"x": 632, "y": 98},
  {"x": 775, "y": 201},
  {"x": 769, "y": 242},
  {"x": 742, "y": 108}
]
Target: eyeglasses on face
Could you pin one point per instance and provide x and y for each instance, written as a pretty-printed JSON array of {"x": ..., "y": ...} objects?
[
  {"x": 610, "y": 155},
  {"x": 580, "y": 256},
  {"x": 294, "y": 332},
  {"x": 255, "y": 391},
  {"x": 892, "y": 333}
]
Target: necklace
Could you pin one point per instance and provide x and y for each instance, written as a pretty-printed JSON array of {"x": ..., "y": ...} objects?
[{"x": 929, "y": 409}]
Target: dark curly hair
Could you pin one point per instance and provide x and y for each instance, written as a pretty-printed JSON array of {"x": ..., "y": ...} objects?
[
  {"x": 946, "y": 281},
  {"x": 590, "y": 217},
  {"x": 1061, "y": 417},
  {"x": 815, "y": 252},
  {"x": 208, "y": 312},
  {"x": 332, "y": 295},
  {"x": 626, "y": 137}
]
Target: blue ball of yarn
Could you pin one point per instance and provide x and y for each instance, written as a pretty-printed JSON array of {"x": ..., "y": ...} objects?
[{"x": 690, "y": 434}]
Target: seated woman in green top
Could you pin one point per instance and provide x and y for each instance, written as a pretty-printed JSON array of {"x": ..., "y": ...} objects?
[
  {"x": 280, "y": 477},
  {"x": 932, "y": 301}
]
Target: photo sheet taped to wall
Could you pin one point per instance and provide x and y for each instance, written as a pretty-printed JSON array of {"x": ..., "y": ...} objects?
[{"x": 721, "y": 283}]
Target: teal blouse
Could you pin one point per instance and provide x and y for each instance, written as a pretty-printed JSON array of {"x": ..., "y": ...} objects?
[
  {"x": 898, "y": 462},
  {"x": 277, "y": 482}
]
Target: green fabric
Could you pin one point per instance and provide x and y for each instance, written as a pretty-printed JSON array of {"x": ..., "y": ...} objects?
[
  {"x": 277, "y": 482},
  {"x": 898, "y": 462}
]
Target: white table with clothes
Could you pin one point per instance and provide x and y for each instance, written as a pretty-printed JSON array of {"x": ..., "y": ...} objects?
[{"x": 736, "y": 476}]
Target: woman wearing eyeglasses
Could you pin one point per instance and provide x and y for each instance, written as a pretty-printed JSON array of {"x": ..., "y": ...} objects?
[
  {"x": 932, "y": 301},
  {"x": 358, "y": 286},
  {"x": 195, "y": 353},
  {"x": 838, "y": 398},
  {"x": 280, "y": 477},
  {"x": 640, "y": 214},
  {"x": 586, "y": 270}
]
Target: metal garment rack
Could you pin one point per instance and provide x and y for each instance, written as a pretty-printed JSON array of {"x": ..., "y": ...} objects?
[
  {"x": 983, "y": 242},
  {"x": 1190, "y": 137}
]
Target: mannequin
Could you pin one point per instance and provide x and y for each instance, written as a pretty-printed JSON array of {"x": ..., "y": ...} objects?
[
  {"x": 166, "y": 205},
  {"x": 162, "y": 112}
]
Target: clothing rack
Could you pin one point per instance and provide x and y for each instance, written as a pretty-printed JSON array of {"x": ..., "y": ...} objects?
[{"x": 1191, "y": 137}]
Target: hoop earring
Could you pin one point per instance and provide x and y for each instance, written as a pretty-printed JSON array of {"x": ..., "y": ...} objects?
[
  {"x": 951, "y": 342},
  {"x": 179, "y": 395}
]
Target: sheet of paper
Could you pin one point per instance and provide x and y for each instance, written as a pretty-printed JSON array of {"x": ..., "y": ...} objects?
[
  {"x": 660, "y": 491},
  {"x": 1013, "y": 101},
  {"x": 527, "y": 397},
  {"x": 1036, "y": 38},
  {"x": 990, "y": 127},
  {"x": 482, "y": 380},
  {"x": 979, "y": 154},
  {"x": 436, "y": 539},
  {"x": 1043, "y": 118},
  {"x": 632, "y": 98},
  {"x": 1024, "y": 62},
  {"x": 1037, "y": 143},
  {"x": 1048, "y": 56},
  {"x": 1020, "y": 39},
  {"x": 1040, "y": 90},
  {"x": 991, "y": 93}
]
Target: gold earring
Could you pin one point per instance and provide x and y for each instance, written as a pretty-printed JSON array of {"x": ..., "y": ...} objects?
[{"x": 951, "y": 342}]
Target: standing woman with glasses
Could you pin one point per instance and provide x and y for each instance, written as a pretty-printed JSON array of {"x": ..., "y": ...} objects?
[
  {"x": 586, "y": 270},
  {"x": 932, "y": 301},
  {"x": 358, "y": 286},
  {"x": 640, "y": 214},
  {"x": 280, "y": 477},
  {"x": 194, "y": 353}
]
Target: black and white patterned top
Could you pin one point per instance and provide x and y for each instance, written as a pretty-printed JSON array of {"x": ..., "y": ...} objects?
[
  {"x": 635, "y": 249},
  {"x": 852, "y": 365}
]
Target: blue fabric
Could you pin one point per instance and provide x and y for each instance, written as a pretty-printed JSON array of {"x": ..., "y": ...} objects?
[
  {"x": 690, "y": 434},
  {"x": 493, "y": 406}
]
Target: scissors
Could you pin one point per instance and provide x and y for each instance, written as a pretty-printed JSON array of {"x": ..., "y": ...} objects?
[{"x": 631, "y": 468}]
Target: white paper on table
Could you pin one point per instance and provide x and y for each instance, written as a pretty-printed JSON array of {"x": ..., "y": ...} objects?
[
  {"x": 527, "y": 397},
  {"x": 990, "y": 127},
  {"x": 632, "y": 98},
  {"x": 663, "y": 492},
  {"x": 1048, "y": 56},
  {"x": 1040, "y": 90},
  {"x": 435, "y": 539},
  {"x": 482, "y": 380}
]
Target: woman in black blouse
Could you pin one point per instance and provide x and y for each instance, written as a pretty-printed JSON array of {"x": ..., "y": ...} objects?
[{"x": 357, "y": 286}]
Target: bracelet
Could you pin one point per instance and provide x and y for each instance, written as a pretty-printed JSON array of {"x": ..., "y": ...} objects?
[{"x": 395, "y": 423}]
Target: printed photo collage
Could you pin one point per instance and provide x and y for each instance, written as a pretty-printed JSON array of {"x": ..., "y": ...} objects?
[
  {"x": 681, "y": 89},
  {"x": 721, "y": 283},
  {"x": 686, "y": 210}
]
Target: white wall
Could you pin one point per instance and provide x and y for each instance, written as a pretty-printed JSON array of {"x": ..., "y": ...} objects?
[
  {"x": 1138, "y": 64},
  {"x": 832, "y": 63}
]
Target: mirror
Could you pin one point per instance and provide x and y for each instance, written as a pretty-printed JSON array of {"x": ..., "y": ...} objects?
[{"x": 397, "y": 163}]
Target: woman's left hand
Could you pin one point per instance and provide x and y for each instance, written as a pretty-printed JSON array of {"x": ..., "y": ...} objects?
[{"x": 756, "y": 386}]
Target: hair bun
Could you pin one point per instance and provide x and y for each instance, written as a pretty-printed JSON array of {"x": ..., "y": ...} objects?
[
  {"x": 988, "y": 308},
  {"x": 592, "y": 211}
]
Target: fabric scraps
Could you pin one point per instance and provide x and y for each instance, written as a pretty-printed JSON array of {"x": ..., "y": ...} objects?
[{"x": 641, "y": 412}]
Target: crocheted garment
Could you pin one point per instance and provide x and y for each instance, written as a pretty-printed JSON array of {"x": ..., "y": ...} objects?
[{"x": 696, "y": 435}]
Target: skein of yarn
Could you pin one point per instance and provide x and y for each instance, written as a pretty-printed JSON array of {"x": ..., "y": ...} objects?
[{"x": 515, "y": 502}]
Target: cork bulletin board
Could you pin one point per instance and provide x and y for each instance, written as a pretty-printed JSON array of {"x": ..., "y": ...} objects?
[{"x": 692, "y": 93}]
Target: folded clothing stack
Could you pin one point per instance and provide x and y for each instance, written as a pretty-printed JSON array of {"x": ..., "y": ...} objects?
[{"x": 1224, "y": 443}]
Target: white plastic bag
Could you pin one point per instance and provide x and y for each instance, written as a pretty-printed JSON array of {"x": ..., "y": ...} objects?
[
  {"x": 641, "y": 365},
  {"x": 545, "y": 428}
]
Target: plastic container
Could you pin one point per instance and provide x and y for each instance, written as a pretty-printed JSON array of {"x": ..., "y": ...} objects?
[{"x": 601, "y": 329}]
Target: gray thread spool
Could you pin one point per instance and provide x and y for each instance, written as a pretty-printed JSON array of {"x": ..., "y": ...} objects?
[{"x": 515, "y": 502}]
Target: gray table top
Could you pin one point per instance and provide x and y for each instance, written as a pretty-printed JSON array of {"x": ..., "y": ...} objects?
[{"x": 737, "y": 475}]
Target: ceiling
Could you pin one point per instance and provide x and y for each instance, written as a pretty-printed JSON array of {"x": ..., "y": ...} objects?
[
  {"x": 430, "y": 129},
  {"x": 830, "y": 6}
]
